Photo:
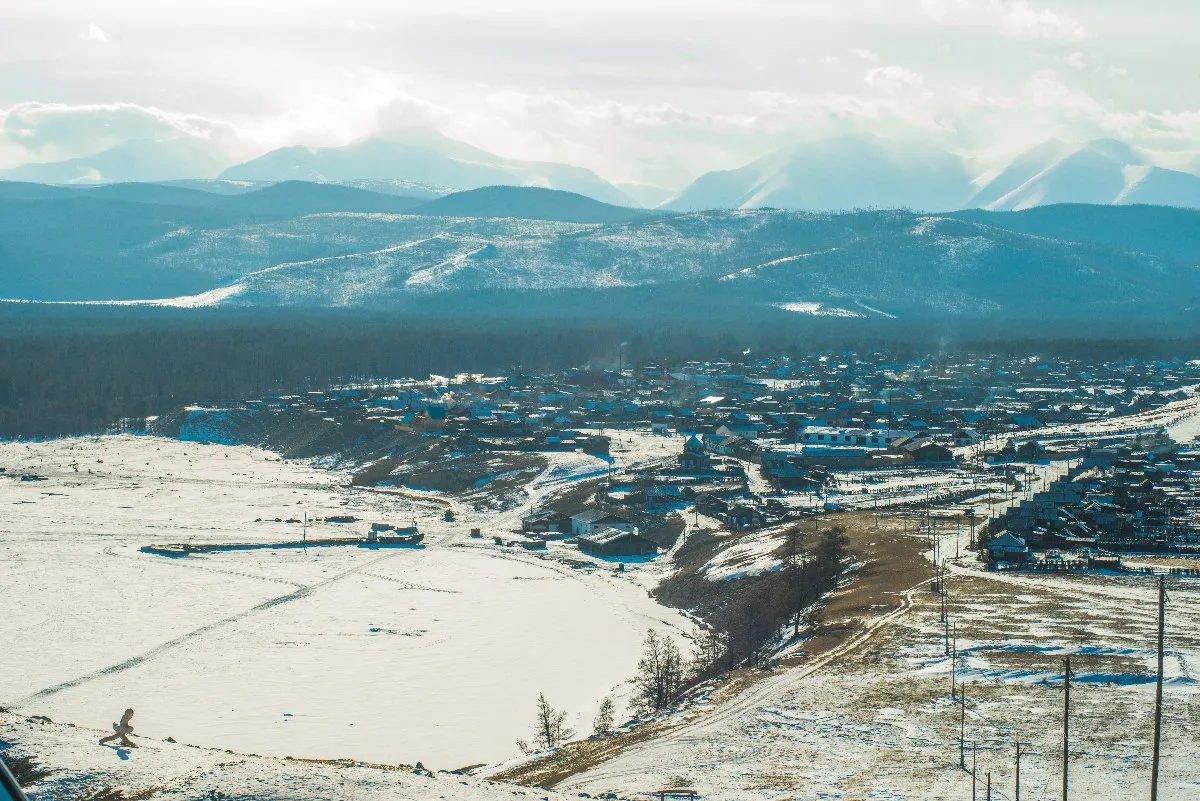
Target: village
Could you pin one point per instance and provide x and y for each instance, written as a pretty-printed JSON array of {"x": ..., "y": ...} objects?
[
  {"x": 772, "y": 516},
  {"x": 763, "y": 442}
]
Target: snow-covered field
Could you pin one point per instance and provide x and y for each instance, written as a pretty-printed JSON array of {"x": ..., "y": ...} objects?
[
  {"x": 879, "y": 723},
  {"x": 390, "y": 655}
]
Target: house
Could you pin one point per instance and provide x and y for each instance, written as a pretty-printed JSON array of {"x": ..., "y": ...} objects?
[
  {"x": 591, "y": 520},
  {"x": 742, "y": 515},
  {"x": 1007, "y": 548},
  {"x": 738, "y": 428},
  {"x": 928, "y": 453},
  {"x": 615, "y": 542},
  {"x": 545, "y": 522}
]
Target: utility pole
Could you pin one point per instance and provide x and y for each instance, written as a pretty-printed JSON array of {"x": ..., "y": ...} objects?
[
  {"x": 945, "y": 616},
  {"x": 974, "y": 783},
  {"x": 1162, "y": 630},
  {"x": 989, "y": 787},
  {"x": 1018, "y": 797},
  {"x": 953, "y": 661},
  {"x": 962, "y": 729},
  {"x": 1066, "y": 726}
]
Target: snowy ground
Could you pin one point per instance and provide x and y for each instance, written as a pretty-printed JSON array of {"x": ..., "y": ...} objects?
[
  {"x": 390, "y": 655},
  {"x": 878, "y": 723},
  {"x": 179, "y": 772}
]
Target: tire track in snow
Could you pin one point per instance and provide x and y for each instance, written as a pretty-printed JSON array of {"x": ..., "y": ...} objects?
[{"x": 208, "y": 628}]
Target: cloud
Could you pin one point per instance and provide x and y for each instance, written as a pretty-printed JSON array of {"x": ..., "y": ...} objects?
[
  {"x": 96, "y": 34},
  {"x": 38, "y": 132},
  {"x": 893, "y": 79},
  {"x": 865, "y": 54},
  {"x": 1015, "y": 18},
  {"x": 1075, "y": 60},
  {"x": 1046, "y": 90}
]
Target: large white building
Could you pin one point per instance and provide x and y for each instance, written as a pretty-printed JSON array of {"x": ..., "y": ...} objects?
[{"x": 856, "y": 437}]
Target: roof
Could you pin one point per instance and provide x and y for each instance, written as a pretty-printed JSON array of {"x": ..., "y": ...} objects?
[
  {"x": 606, "y": 536},
  {"x": 595, "y": 516},
  {"x": 1008, "y": 542}
]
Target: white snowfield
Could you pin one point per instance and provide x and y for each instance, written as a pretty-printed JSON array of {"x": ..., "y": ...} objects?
[
  {"x": 395, "y": 655},
  {"x": 181, "y": 772}
]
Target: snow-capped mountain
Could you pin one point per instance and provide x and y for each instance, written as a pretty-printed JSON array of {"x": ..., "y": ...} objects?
[
  {"x": 424, "y": 157},
  {"x": 835, "y": 175},
  {"x": 1101, "y": 172}
]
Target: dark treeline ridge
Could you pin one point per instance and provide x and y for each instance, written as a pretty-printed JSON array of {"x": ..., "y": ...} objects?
[{"x": 73, "y": 370}]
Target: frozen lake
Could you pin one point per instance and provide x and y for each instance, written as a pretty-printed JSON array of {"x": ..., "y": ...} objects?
[{"x": 390, "y": 655}]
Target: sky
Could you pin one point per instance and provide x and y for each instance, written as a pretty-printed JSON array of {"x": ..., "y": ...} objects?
[{"x": 652, "y": 91}]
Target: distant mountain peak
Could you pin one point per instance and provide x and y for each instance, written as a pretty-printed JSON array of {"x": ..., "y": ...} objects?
[{"x": 422, "y": 156}]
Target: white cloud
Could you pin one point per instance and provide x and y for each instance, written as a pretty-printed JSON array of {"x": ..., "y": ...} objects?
[
  {"x": 865, "y": 54},
  {"x": 1075, "y": 60},
  {"x": 96, "y": 34},
  {"x": 1046, "y": 90},
  {"x": 1016, "y": 18},
  {"x": 893, "y": 79}
]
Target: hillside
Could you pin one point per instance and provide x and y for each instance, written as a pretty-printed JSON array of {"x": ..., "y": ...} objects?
[
  {"x": 1059, "y": 263},
  {"x": 529, "y": 203}
]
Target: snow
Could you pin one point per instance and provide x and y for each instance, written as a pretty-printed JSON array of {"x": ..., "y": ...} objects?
[
  {"x": 177, "y": 771},
  {"x": 390, "y": 655},
  {"x": 817, "y": 309},
  {"x": 210, "y": 298},
  {"x": 750, "y": 555},
  {"x": 878, "y": 723}
]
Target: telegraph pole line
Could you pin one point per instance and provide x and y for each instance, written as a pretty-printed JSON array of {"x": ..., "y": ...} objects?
[
  {"x": 1066, "y": 726},
  {"x": 953, "y": 662},
  {"x": 962, "y": 729},
  {"x": 1158, "y": 689},
  {"x": 1018, "y": 796},
  {"x": 945, "y": 615},
  {"x": 974, "y": 783}
]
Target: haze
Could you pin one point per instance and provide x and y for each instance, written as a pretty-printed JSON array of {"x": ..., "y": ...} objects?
[{"x": 656, "y": 93}]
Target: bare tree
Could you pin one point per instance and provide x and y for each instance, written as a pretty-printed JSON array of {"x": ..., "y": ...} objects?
[
  {"x": 661, "y": 674},
  {"x": 550, "y": 728},
  {"x": 604, "y": 718}
]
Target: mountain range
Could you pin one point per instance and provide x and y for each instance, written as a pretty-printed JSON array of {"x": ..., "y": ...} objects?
[
  {"x": 844, "y": 173},
  {"x": 516, "y": 250}
]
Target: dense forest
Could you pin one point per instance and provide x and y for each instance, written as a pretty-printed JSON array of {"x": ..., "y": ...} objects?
[{"x": 73, "y": 370}]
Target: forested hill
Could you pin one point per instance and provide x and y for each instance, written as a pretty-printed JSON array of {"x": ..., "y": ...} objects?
[{"x": 513, "y": 251}]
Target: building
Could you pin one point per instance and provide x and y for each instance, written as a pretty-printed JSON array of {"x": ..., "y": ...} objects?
[
  {"x": 1007, "y": 548},
  {"x": 615, "y": 542},
  {"x": 928, "y": 453},
  {"x": 591, "y": 520},
  {"x": 857, "y": 437}
]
